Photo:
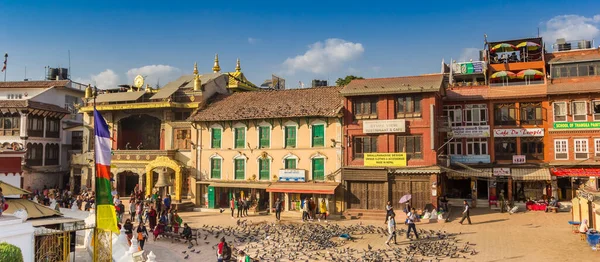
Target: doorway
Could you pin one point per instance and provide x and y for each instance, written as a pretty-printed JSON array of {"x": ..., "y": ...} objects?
[
  {"x": 482, "y": 189},
  {"x": 127, "y": 182}
]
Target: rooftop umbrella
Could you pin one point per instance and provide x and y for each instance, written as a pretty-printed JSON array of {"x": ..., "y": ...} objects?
[
  {"x": 405, "y": 199},
  {"x": 530, "y": 73},
  {"x": 501, "y": 74},
  {"x": 504, "y": 47},
  {"x": 529, "y": 45}
]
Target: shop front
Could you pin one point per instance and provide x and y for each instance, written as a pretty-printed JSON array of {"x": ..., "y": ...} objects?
[
  {"x": 531, "y": 184},
  {"x": 420, "y": 183},
  {"x": 570, "y": 179},
  {"x": 292, "y": 194},
  {"x": 470, "y": 184},
  {"x": 219, "y": 194},
  {"x": 366, "y": 188}
]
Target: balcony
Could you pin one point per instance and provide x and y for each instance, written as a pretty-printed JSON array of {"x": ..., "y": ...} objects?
[
  {"x": 141, "y": 155},
  {"x": 517, "y": 83},
  {"x": 563, "y": 45},
  {"x": 517, "y": 65}
]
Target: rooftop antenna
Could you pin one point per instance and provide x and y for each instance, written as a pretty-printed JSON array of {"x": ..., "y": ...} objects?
[{"x": 157, "y": 83}]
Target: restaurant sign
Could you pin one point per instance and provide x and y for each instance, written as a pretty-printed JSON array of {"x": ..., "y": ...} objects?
[
  {"x": 385, "y": 159},
  {"x": 470, "y": 131},
  {"x": 384, "y": 126},
  {"x": 470, "y": 159},
  {"x": 292, "y": 175},
  {"x": 501, "y": 171},
  {"x": 519, "y": 159},
  {"x": 576, "y": 125},
  {"x": 518, "y": 132}
]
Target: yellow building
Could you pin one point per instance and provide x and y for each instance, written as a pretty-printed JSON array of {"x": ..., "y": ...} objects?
[
  {"x": 150, "y": 129},
  {"x": 271, "y": 144}
]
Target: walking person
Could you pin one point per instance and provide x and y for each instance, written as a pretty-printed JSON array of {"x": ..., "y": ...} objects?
[
  {"x": 167, "y": 202},
  {"x": 392, "y": 229},
  {"x": 240, "y": 207},
  {"x": 132, "y": 209},
  {"x": 142, "y": 234},
  {"x": 410, "y": 221},
  {"x": 389, "y": 209},
  {"x": 138, "y": 210},
  {"x": 323, "y": 210},
  {"x": 465, "y": 213},
  {"x": 232, "y": 206},
  {"x": 246, "y": 206},
  {"x": 305, "y": 210},
  {"x": 152, "y": 217},
  {"x": 278, "y": 209}
]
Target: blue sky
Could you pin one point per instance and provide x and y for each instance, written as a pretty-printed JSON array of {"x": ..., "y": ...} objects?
[{"x": 112, "y": 41}]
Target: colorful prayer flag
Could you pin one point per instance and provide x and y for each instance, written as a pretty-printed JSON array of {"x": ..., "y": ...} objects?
[
  {"x": 106, "y": 217},
  {"x": 5, "y": 59}
]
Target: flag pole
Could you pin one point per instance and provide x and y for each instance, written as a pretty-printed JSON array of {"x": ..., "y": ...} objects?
[{"x": 95, "y": 240}]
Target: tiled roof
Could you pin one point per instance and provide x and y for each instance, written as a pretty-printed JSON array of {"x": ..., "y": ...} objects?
[
  {"x": 467, "y": 93},
  {"x": 394, "y": 85},
  {"x": 319, "y": 101},
  {"x": 33, "y": 84},
  {"x": 32, "y": 105},
  {"x": 504, "y": 92},
  {"x": 572, "y": 87}
]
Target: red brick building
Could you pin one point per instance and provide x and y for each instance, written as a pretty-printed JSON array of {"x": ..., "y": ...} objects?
[{"x": 391, "y": 115}]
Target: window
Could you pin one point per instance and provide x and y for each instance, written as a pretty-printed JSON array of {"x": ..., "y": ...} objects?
[
  {"x": 411, "y": 145},
  {"x": 532, "y": 147},
  {"x": 52, "y": 127},
  {"x": 579, "y": 110},
  {"x": 70, "y": 101},
  {"x": 264, "y": 134},
  {"x": 531, "y": 113},
  {"x": 477, "y": 146},
  {"x": 264, "y": 167},
  {"x": 318, "y": 135},
  {"x": 455, "y": 147},
  {"x": 215, "y": 168},
  {"x": 561, "y": 149},
  {"x": 365, "y": 108},
  {"x": 215, "y": 137},
  {"x": 240, "y": 137},
  {"x": 408, "y": 106},
  {"x": 364, "y": 144},
  {"x": 318, "y": 169},
  {"x": 596, "y": 110},
  {"x": 476, "y": 115},
  {"x": 505, "y": 114},
  {"x": 183, "y": 139},
  {"x": 240, "y": 169},
  {"x": 181, "y": 116},
  {"x": 290, "y": 163},
  {"x": 290, "y": 137},
  {"x": 597, "y": 147},
  {"x": 576, "y": 69},
  {"x": 505, "y": 147},
  {"x": 35, "y": 126},
  {"x": 560, "y": 111},
  {"x": 34, "y": 154},
  {"x": 453, "y": 114},
  {"x": 76, "y": 140},
  {"x": 10, "y": 124},
  {"x": 581, "y": 149},
  {"x": 51, "y": 155}
]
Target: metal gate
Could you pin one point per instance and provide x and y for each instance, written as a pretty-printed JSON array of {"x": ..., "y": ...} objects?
[{"x": 52, "y": 246}]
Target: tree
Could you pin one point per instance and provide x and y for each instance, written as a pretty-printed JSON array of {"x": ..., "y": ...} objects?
[{"x": 346, "y": 80}]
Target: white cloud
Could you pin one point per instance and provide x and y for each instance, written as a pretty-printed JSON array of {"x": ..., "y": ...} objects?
[
  {"x": 252, "y": 40},
  {"x": 468, "y": 54},
  {"x": 571, "y": 28},
  {"x": 322, "y": 58},
  {"x": 376, "y": 69},
  {"x": 104, "y": 80},
  {"x": 154, "y": 74}
]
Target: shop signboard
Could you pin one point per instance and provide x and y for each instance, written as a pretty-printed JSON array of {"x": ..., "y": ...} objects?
[
  {"x": 466, "y": 68},
  {"x": 518, "y": 132},
  {"x": 576, "y": 172},
  {"x": 519, "y": 159},
  {"x": 470, "y": 131},
  {"x": 501, "y": 171},
  {"x": 576, "y": 125},
  {"x": 385, "y": 159},
  {"x": 384, "y": 126},
  {"x": 292, "y": 175},
  {"x": 470, "y": 159}
]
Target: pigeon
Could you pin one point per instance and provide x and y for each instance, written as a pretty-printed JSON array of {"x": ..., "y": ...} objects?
[
  {"x": 186, "y": 256},
  {"x": 184, "y": 252}
]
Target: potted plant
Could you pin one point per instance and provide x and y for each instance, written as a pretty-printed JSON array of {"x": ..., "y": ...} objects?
[{"x": 10, "y": 252}]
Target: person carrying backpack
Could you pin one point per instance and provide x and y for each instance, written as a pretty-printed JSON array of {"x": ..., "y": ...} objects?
[{"x": 223, "y": 251}]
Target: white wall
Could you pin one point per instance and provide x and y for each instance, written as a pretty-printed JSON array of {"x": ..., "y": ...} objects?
[{"x": 16, "y": 232}]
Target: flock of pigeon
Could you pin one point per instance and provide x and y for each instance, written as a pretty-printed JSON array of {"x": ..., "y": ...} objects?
[{"x": 317, "y": 242}]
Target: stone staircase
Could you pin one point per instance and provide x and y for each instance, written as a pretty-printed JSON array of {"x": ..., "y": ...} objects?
[{"x": 365, "y": 214}]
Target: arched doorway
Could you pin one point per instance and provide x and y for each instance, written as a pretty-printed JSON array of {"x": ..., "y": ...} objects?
[
  {"x": 161, "y": 162},
  {"x": 137, "y": 129},
  {"x": 127, "y": 181}
]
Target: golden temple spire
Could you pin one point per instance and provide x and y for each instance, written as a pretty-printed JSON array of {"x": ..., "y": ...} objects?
[
  {"x": 238, "y": 68},
  {"x": 216, "y": 68},
  {"x": 195, "y": 68}
]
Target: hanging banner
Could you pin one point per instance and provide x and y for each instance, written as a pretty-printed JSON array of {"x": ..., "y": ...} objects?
[{"x": 385, "y": 159}]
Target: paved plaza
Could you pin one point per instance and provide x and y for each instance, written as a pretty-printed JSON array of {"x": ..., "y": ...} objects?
[{"x": 530, "y": 236}]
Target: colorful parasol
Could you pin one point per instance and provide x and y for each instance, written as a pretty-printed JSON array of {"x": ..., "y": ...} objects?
[
  {"x": 504, "y": 47},
  {"x": 529, "y": 45},
  {"x": 502, "y": 74},
  {"x": 405, "y": 198},
  {"x": 531, "y": 73}
]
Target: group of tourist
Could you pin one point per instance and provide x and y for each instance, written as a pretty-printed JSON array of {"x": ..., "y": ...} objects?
[
  {"x": 309, "y": 208},
  {"x": 242, "y": 205}
]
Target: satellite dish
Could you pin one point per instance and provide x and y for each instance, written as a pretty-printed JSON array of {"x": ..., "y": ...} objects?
[{"x": 138, "y": 81}]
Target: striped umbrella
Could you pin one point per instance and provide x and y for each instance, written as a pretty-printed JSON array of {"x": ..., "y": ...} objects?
[
  {"x": 529, "y": 45},
  {"x": 503, "y": 47},
  {"x": 530, "y": 73},
  {"x": 503, "y": 74}
]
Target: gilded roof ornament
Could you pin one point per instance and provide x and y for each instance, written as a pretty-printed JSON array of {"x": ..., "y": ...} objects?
[
  {"x": 238, "y": 68},
  {"x": 195, "y": 68},
  {"x": 216, "y": 68}
]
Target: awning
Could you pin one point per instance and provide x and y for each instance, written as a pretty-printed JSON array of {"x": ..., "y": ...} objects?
[
  {"x": 576, "y": 172},
  {"x": 303, "y": 188},
  {"x": 530, "y": 174},
  {"x": 119, "y": 97},
  {"x": 477, "y": 172},
  {"x": 416, "y": 170},
  {"x": 8, "y": 189},
  {"x": 240, "y": 185},
  {"x": 33, "y": 209}
]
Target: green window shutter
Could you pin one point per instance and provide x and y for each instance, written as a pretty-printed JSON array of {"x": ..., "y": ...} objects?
[
  {"x": 318, "y": 167},
  {"x": 318, "y": 135},
  {"x": 240, "y": 137},
  {"x": 265, "y": 136},
  {"x": 290, "y": 136},
  {"x": 215, "y": 171},
  {"x": 216, "y": 138},
  {"x": 264, "y": 169},
  {"x": 290, "y": 163},
  {"x": 239, "y": 169}
]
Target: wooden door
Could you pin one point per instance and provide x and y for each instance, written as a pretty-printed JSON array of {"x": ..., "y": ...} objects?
[
  {"x": 376, "y": 193},
  {"x": 420, "y": 194},
  {"x": 399, "y": 189},
  {"x": 357, "y": 195}
]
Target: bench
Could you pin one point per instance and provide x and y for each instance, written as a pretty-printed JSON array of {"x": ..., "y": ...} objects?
[{"x": 178, "y": 237}]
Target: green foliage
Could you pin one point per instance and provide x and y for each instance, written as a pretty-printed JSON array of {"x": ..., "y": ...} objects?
[
  {"x": 10, "y": 253},
  {"x": 346, "y": 80}
]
